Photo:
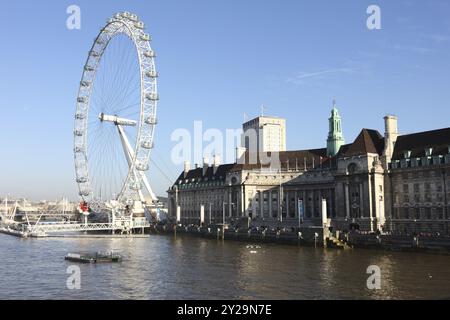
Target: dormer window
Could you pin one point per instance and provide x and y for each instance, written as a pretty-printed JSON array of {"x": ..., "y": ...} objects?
[
  {"x": 428, "y": 152},
  {"x": 407, "y": 154}
]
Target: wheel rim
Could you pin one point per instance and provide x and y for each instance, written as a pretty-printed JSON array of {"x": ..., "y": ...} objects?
[{"x": 93, "y": 138}]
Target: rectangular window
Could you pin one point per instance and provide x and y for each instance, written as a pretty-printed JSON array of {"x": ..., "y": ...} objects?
[
  {"x": 428, "y": 213},
  {"x": 417, "y": 211}
]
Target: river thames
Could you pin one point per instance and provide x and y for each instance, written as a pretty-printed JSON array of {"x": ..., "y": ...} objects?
[{"x": 162, "y": 267}]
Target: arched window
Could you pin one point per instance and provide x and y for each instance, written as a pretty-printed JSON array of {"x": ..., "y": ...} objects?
[{"x": 352, "y": 168}]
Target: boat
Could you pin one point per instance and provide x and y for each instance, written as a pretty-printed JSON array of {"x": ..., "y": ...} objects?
[
  {"x": 12, "y": 232},
  {"x": 97, "y": 257}
]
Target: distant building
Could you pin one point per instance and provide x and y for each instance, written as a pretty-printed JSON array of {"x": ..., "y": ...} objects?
[{"x": 391, "y": 182}]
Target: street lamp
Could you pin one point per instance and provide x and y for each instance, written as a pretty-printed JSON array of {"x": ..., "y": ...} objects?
[{"x": 223, "y": 217}]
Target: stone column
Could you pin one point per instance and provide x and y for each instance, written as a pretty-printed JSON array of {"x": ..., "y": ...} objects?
[
  {"x": 230, "y": 206},
  {"x": 270, "y": 203},
  {"x": 261, "y": 204},
  {"x": 313, "y": 203},
  {"x": 347, "y": 201},
  {"x": 305, "y": 204},
  {"x": 243, "y": 201},
  {"x": 287, "y": 204},
  {"x": 361, "y": 200}
]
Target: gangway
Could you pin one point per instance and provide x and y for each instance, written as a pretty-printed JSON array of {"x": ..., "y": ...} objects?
[{"x": 120, "y": 225}]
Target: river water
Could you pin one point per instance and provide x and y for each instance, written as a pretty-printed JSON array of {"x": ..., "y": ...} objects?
[{"x": 164, "y": 267}]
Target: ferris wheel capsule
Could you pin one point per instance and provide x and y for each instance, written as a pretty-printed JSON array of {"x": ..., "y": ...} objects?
[
  {"x": 152, "y": 74},
  {"x": 94, "y": 54},
  {"x": 151, "y": 120},
  {"x": 78, "y": 149},
  {"x": 84, "y": 193},
  {"x": 142, "y": 166},
  {"x": 136, "y": 186},
  {"x": 152, "y": 96},
  {"x": 147, "y": 145},
  {"x": 139, "y": 25},
  {"x": 80, "y": 116},
  {"x": 150, "y": 54},
  {"x": 145, "y": 37}
]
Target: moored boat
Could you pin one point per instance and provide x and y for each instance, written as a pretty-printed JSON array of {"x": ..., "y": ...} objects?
[{"x": 97, "y": 257}]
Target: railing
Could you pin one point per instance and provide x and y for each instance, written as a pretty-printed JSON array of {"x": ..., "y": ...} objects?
[{"x": 73, "y": 227}]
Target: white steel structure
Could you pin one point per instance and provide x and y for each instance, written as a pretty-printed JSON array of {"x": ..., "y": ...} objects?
[{"x": 115, "y": 116}]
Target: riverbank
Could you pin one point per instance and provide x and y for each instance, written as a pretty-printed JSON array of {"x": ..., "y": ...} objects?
[
  {"x": 313, "y": 236},
  {"x": 306, "y": 236}
]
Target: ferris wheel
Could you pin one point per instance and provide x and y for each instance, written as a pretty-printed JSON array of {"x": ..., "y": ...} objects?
[{"x": 115, "y": 115}]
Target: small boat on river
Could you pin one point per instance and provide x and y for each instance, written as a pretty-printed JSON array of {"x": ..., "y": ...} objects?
[{"x": 97, "y": 257}]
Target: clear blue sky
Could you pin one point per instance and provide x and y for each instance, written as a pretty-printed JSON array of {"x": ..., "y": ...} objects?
[{"x": 217, "y": 60}]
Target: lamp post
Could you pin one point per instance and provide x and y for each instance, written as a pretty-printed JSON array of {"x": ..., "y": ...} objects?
[{"x": 223, "y": 217}]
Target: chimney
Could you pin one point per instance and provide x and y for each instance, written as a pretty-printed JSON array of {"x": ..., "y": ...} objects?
[
  {"x": 187, "y": 167},
  {"x": 390, "y": 137},
  {"x": 205, "y": 165},
  {"x": 216, "y": 162}
]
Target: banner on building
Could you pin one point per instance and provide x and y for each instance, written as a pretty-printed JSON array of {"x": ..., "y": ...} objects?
[{"x": 301, "y": 211}]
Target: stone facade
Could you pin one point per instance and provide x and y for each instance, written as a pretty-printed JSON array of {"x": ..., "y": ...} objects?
[{"x": 368, "y": 184}]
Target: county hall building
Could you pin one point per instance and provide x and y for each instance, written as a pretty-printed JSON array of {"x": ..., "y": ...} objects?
[{"x": 387, "y": 182}]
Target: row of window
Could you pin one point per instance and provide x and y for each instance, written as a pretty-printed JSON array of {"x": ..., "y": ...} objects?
[
  {"x": 419, "y": 174},
  {"x": 420, "y": 187},
  {"x": 419, "y": 213},
  {"x": 418, "y": 198}
]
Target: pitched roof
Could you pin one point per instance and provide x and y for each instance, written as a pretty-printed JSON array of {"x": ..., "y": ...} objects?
[
  {"x": 368, "y": 141},
  {"x": 196, "y": 173},
  {"x": 292, "y": 159},
  {"x": 439, "y": 140}
]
